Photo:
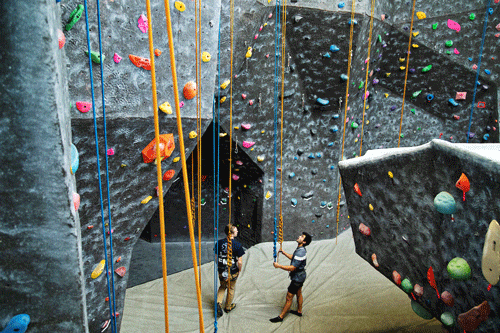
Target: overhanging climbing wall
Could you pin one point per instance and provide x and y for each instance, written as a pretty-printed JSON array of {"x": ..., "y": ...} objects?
[{"x": 413, "y": 237}]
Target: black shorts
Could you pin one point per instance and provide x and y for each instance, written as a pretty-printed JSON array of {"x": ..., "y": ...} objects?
[{"x": 294, "y": 287}]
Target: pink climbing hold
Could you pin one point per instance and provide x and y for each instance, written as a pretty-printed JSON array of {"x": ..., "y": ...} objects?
[
  {"x": 61, "y": 38},
  {"x": 250, "y": 102},
  {"x": 453, "y": 25},
  {"x": 243, "y": 96},
  {"x": 248, "y": 144},
  {"x": 235, "y": 177},
  {"x": 110, "y": 152},
  {"x": 256, "y": 36},
  {"x": 261, "y": 27},
  {"x": 474, "y": 67},
  {"x": 181, "y": 104},
  {"x": 461, "y": 95},
  {"x": 238, "y": 162},
  {"x": 498, "y": 27},
  {"x": 456, "y": 51},
  {"x": 396, "y": 277},
  {"x": 367, "y": 94},
  {"x": 76, "y": 200},
  {"x": 364, "y": 229},
  {"x": 83, "y": 106},
  {"x": 270, "y": 15},
  {"x": 246, "y": 126},
  {"x": 117, "y": 58},
  {"x": 142, "y": 23}
]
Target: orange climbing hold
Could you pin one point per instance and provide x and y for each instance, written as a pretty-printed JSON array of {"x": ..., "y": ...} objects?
[
  {"x": 189, "y": 90},
  {"x": 157, "y": 52},
  {"x": 140, "y": 62},
  {"x": 169, "y": 174},
  {"x": 167, "y": 146},
  {"x": 463, "y": 184},
  {"x": 357, "y": 189}
]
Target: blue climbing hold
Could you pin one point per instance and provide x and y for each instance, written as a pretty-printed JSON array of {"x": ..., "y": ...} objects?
[
  {"x": 470, "y": 58},
  {"x": 295, "y": 158},
  {"x": 341, "y": 5},
  {"x": 334, "y": 129},
  {"x": 332, "y": 167},
  {"x": 75, "y": 160},
  {"x": 343, "y": 77},
  {"x": 445, "y": 203},
  {"x": 354, "y": 22},
  {"x": 486, "y": 137},
  {"x": 327, "y": 55},
  {"x": 430, "y": 97},
  {"x": 490, "y": 10},
  {"x": 18, "y": 324},
  {"x": 487, "y": 71},
  {"x": 330, "y": 144},
  {"x": 294, "y": 202},
  {"x": 322, "y": 204},
  {"x": 334, "y": 48},
  {"x": 291, "y": 174},
  {"x": 452, "y": 102},
  {"x": 322, "y": 101},
  {"x": 335, "y": 116},
  {"x": 311, "y": 156},
  {"x": 318, "y": 155}
]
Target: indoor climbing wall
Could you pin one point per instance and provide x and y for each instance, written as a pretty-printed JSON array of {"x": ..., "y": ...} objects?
[
  {"x": 130, "y": 125},
  {"x": 420, "y": 216}
]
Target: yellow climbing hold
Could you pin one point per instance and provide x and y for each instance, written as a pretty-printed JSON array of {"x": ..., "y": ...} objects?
[
  {"x": 387, "y": 74},
  {"x": 222, "y": 135},
  {"x": 205, "y": 56},
  {"x": 260, "y": 158},
  {"x": 193, "y": 134},
  {"x": 146, "y": 199},
  {"x": 166, "y": 107},
  {"x": 402, "y": 68},
  {"x": 249, "y": 52},
  {"x": 367, "y": 122},
  {"x": 223, "y": 99},
  {"x": 355, "y": 140},
  {"x": 402, "y": 59},
  {"x": 390, "y": 174},
  {"x": 268, "y": 195},
  {"x": 415, "y": 34},
  {"x": 175, "y": 160},
  {"x": 370, "y": 206},
  {"x": 415, "y": 46},
  {"x": 225, "y": 84},
  {"x": 386, "y": 95},
  {"x": 123, "y": 165},
  {"x": 180, "y": 6},
  {"x": 98, "y": 269},
  {"x": 236, "y": 127},
  {"x": 263, "y": 131},
  {"x": 421, "y": 15}
]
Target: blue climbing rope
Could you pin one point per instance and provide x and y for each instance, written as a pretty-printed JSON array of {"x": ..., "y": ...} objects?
[
  {"x": 216, "y": 137},
  {"x": 277, "y": 36},
  {"x": 478, "y": 68},
  {"x": 112, "y": 303}
]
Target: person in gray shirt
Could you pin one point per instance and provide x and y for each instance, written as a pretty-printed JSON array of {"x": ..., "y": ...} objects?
[{"x": 297, "y": 269}]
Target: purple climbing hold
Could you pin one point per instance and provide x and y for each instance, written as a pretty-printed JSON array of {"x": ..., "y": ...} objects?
[
  {"x": 412, "y": 70},
  {"x": 393, "y": 108},
  {"x": 375, "y": 81}
]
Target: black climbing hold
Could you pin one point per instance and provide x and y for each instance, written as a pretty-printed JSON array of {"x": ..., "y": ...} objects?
[
  {"x": 300, "y": 151},
  {"x": 313, "y": 131},
  {"x": 314, "y": 171},
  {"x": 318, "y": 214},
  {"x": 308, "y": 195}
]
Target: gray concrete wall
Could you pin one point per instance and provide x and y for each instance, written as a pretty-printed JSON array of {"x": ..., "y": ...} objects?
[{"x": 41, "y": 271}]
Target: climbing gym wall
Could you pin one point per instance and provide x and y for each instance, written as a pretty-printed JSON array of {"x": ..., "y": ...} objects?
[
  {"x": 421, "y": 216},
  {"x": 41, "y": 272}
]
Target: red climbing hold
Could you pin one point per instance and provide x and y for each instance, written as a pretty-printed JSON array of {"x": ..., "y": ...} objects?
[
  {"x": 463, "y": 184},
  {"x": 76, "y": 200},
  {"x": 83, "y": 106},
  {"x": 365, "y": 230},
  {"x": 481, "y": 105},
  {"x": 357, "y": 189},
  {"x": 432, "y": 281},
  {"x": 121, "y": 271},
  {"x": 169, "y": 174},
  {"x": 167, "y": 146},
  {"x": 140, "y": 62},
  {"x": 61, "y": 38},
  {"x": 396, "y": 277}
]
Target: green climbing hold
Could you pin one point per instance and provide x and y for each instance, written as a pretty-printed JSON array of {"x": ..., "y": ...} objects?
[
  {"x": 447, "y": 319},
  {"x": 413, "y": 111},
  {"x": 361, "y": 85},
  {"x": 416, "y": 93},
  {"x": 379, "y": 38},
  {"x": 448, "y": 52},
  {"x": 419, "y": 128},
  {"x": 406, "y": 286},
  {"x": 420, "y": 310},
  {"x": 449, "y": 43},
  {"x": 74, "y": 17},
  {"x": 94, "y": 55},
  {"x": 472, "y": 17},
  {"x": 445, "y": 203},
  {"x": 354, "y": 125},
  {"x": 402, "y": 135},
  {"x": 434, "y": 26},
  {"x": 459, "y": 269},
  {"x": 426, "y": 68}
]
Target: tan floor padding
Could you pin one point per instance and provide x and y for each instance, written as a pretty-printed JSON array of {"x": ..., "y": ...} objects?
[{"x": 342, "y": 293}]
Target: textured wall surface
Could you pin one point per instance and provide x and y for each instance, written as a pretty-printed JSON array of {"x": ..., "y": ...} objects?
[
  {"x": 408, "y": 235},
  {"x": 41, "y": 270}
]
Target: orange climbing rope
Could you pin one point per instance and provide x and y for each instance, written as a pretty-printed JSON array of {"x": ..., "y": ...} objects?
[
  {"x": 283, "y": 45},
  {"x": 158, "y": 164},
  {"x": 345, "y": 110},
  {"x": 182, "y": 149},
  {"x": 406, "y": 74},
  {"x": 366, "y": 79}
]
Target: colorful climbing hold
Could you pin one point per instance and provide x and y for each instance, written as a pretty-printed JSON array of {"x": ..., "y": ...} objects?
[
  {"x": 260, "y": 158},
  {"x": 157, "y": 52},
  {"x": 420, "y": 310},
  {"x": 180, "y": 6},
  {"x": 322, "y": 101},
  {"x": 459, "y": 269},
  {"x": 76, "y": 201},
  {"x": 472, "y": 17},
  {"x": 166, "y": 107},
  {"x": 406, "y": 286},
  {"x": 167, "y": 146},
  {"x": 146, "y": 199},
  {"x": 490, "y": 264},
  {"x": 83, "y": 106},
  {"x": 447, "y": 298},
  {"x": 193, "y": 134},
  {"x": 248, "y": 144},
  {"x": 169, "y": 174},
  {"x": 374, "y": 260},
  {"x": 96, "y": 57},
  {"x": 453, "y": 25},
  {"x": 434, "y": 26},
  {"x": 117, "y": 58},
  {"x": 142, "y": 23},
  {"x": 357, "y": 190},
  {"x": 75, "y": 159},
  {"x": 364, "y": 229},
  {"x": 17, "y": 324},
  {"x": 334, "y": 48},
  {"x": 445, "y": 203},
  {"x": 416, "y": 93},
  {"x": 449, "y": 43},
  {"x": 140, "y": 62},
  {"x": 421, "y": 15},
  {"x": 205, "y": 56},
  {"x": 120, "y": 271},
  {"x": 249, "y": 52},
  {"x": 189, "y": 90},
  {"x": 98, "y": 269},
  {"x": 426, "y": 68},
  {"x": 74, "y": 17},
  {"x": 396, "y": 277},
  {"x": 61, "y": 38},
  {"x": 463, "y": 184},
  {"x": 461, "y": 95}
]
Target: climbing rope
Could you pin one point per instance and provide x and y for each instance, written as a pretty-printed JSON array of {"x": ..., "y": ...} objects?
[
  {"x": 365, "y": 98},
  {"x": 478, "y": 68},
  {"x": 283, "y": 47},
  {"x": 345, "y": 110},
  {"x": 406, "y": 73},
  {"x": 216, "y": 161},
  {"x": 181, "y": 143},
  {"x": 277, "y": 35},
  {"x": 108, "y": 263}
]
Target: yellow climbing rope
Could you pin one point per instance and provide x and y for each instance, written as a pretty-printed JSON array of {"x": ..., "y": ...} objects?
[
  {"x": 182, "y": 149},
  {"x": 366, "y": 79},
  {"x": 283, "y": 46},
  {"x": 345, "y": 111},
  {"x": 406, "y": 74}
]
